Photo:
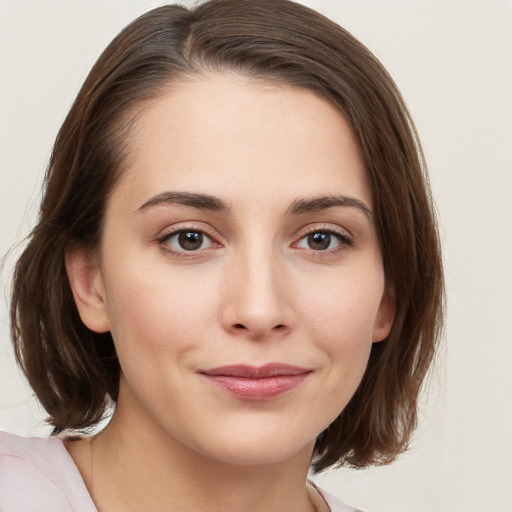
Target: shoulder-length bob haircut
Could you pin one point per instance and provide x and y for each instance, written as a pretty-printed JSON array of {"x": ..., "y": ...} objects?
[{"x": 74, "y": 371}]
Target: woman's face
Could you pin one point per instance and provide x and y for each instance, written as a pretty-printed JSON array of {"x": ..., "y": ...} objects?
[{"x": 240, "y": 273}]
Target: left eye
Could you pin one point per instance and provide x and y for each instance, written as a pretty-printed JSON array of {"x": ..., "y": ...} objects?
[
  {"x": 321, "y": 241},
  {"x": 188, "y": 240}
]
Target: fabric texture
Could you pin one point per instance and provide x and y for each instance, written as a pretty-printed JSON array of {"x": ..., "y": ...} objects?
[{"x": 38, "y": 475}]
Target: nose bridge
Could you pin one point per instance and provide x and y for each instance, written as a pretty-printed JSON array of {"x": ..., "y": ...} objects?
[{"x": 258, "y": 300}]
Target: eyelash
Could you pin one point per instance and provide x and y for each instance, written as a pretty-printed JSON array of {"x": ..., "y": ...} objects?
[
  {"x": 343, "y": 239},
  {"x": 163, "y": 241}
]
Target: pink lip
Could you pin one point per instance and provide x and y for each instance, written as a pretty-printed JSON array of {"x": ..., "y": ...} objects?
[{"x": 257, "y": 382}]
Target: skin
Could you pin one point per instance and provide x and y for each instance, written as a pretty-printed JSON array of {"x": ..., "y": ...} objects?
[{"x": 256, "y": 291}]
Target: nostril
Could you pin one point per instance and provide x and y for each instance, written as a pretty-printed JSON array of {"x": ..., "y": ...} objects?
[{"x": 278, "y": 327}]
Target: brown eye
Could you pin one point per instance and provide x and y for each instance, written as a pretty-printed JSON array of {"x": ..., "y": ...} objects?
[
  {"x": 319, "y": 241},
  {"x": 190, "y": 240},
  {"x": 323, "y": 240},
  {"x": 187, "y": 240}
]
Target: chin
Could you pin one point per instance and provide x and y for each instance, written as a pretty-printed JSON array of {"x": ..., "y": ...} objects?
[{"x": 257, "y": 450}]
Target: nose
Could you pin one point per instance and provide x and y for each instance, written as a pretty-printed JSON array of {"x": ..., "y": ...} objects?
[{"x": 257, "y": 302}]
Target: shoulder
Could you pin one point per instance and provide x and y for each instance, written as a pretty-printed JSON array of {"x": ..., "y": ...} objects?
[
  {"x": 38, "y": 474},
  {"x": 335, "y": 505}
]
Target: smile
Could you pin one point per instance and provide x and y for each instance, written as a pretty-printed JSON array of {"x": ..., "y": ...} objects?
[{"x": 257, "y": 383}]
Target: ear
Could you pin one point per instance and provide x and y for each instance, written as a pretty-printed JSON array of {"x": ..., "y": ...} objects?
[
  {"x": 385, "y": 316},
  {"x": 88, "y": 288}
]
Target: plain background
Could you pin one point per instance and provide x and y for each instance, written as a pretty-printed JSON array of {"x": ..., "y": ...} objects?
[{"x": 452, "y": 61}]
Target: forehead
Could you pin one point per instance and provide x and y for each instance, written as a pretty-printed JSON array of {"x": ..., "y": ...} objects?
[{"x": 228, "y": 135}]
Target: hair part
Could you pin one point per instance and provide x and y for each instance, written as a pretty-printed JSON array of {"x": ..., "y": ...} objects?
[{"x": 73, "y": 370}]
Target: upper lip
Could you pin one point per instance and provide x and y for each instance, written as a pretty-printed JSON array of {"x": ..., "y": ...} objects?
[{"x": 255, "y": 372}]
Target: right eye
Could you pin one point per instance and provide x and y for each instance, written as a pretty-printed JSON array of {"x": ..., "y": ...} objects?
[{"x": 187, "y": 240}]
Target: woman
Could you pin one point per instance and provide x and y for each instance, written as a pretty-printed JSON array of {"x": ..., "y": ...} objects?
[{"x": 238, "y": 251}]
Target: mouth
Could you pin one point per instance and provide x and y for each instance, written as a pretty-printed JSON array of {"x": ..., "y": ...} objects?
[{"x": 256, "y": 382}]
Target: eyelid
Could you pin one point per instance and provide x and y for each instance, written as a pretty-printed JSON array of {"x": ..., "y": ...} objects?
[
  {"x": 327, "y": 228},
  {"x": 186, "y": 226},
  {"x": 345, "y": 237}
]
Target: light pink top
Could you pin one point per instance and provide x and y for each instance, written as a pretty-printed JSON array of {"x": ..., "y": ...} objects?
[{"x": 38, "y": 475}]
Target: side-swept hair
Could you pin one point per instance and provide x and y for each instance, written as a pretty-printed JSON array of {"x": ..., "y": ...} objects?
[{"x": 73, "y": 370}]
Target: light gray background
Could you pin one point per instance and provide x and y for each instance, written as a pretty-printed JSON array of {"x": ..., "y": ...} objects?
[{"x": 452, "y": 60}]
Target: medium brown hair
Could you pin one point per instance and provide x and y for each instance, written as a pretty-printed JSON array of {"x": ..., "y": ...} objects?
[{"x": 74, "y": 370}]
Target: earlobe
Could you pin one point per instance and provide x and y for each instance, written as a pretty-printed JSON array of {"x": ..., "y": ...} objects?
[
  {"x": 88, "y": 288},
  {"x": 385, "y": 317}
]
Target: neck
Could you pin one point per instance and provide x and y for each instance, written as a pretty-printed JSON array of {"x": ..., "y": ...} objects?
[{"x": 134, "y": 466}]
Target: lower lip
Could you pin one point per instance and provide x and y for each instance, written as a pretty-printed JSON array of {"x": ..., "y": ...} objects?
[{"x": 257, "y": 389}]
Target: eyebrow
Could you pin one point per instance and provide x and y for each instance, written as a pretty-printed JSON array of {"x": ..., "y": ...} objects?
[
  {"x": 316, "y": 204},
  {"x": 200, "y": 201},
  {"x": 299, "y": 206}
]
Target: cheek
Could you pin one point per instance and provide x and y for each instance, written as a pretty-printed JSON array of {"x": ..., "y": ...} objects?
[
  {"x": 345, "y": 307},
  {"x": 153, "y": 312},
  {"x": 341, "y": 319}
]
